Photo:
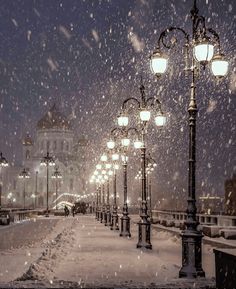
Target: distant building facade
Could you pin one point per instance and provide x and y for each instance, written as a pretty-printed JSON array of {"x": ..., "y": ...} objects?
[
  {"x": 54, "y": 134},
  {"x": 230, "y": 196}
]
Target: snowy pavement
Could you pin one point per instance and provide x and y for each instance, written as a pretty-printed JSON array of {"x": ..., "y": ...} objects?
[{"x": 81, "y": 252}]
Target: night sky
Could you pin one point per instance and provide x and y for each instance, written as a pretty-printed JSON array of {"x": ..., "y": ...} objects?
[{"x": 88, "y": 56}]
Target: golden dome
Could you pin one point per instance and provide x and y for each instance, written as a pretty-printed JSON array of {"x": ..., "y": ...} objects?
[{"x": 53, "y": 119}]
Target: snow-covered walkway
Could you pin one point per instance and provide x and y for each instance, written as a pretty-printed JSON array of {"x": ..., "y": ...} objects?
[{"x": 83, "y": 252}]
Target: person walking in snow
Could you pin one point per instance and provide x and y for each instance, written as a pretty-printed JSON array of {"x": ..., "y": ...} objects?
[
  {"x": 73, "y": 210},
  {"x": 66, "y": 210}
]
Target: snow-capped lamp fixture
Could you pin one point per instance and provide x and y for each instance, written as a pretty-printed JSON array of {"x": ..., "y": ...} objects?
[
  {"x": 123, "y": 120},
  {"x": 115, "y": 157},
  {"x": 158, "y": 62},
  {"x": 104, "y": 158},
  {"x": 138, "y": 144},
  {"x": 203, "y": 50},
  {"x": 219, "y": 66},
  {"x": 125, "y": 142},
  {"x": 111, "y": 144},
  {"x": 98, "y": 166},
  {"x": 160, "y": 119},
  {"x": 200, "y": 49},
  {"x": 145, "y": 115}
]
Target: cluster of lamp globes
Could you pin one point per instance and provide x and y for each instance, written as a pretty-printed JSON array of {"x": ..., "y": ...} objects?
[
  {"x": 149, "y": 169},
  {"x": 203, "y": 52},
  {"x": 123, "y": 121},
  {"x": 104, "y": 171}
]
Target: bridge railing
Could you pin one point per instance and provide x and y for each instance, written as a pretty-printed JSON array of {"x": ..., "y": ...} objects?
[{"x": 177, "y": 219}]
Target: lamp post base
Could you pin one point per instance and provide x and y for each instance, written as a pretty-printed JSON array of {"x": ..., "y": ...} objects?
[
  {"x": 125, "y": 226},
  {"x": 144, "y": 232},
  {"x": 108, "y": 219},
  {"x": 47, "y": 214},
  {"x": 115, "y": 222},
  {"x": 100, "y": 216},
  {"x": 104, "y": 217},
  {"x": 191, "y": 255}
]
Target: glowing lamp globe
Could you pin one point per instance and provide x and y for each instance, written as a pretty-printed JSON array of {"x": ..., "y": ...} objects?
[
  {"x": 108, "y": 166},
  {"x": 138, "y": 144},
  {"x": 158, "y": 63},
  {"x": 145, "y": 115},
  {"x": 104, "y": 158},
  {"x": 125, "y": 142},
  {"x": 219, "y": 66},
  {"x": 115, "y": 157},
  {"x": 123, "y": 120},
  {"x": 160, "y": 120},
  {"x": 203, "y": 51},
  {"x": 111, "y": 144},
  {"x": 98, "y": 166}
]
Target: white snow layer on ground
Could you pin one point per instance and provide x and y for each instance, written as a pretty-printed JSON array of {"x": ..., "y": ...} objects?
[{"x": 81, "y": 252}]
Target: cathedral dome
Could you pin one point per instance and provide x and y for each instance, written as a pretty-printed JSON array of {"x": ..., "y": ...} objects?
[{"x": 53, "y": 119}]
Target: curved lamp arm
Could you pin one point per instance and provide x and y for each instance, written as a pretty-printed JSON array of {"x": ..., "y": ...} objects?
[
  {"x": 164, "y": 34},
  {"x": 128, "y": 100}
]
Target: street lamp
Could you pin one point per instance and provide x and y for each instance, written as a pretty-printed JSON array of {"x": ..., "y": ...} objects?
[
  {"x": 56, "y": 175},
  {"x": 123, "y": 133},
  {"x": 3, "y": 164},
  {"x": 151, "y": 164},
  {"x": 200, "y": 49},
  {"x": 47, "y": 161},
  {"x": 24, "y": 175},
  {"x": 144, "y": 108}
]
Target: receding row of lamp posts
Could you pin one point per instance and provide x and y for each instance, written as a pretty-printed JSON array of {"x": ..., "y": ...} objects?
[
  {"x": 118, "y": 145},
  {"x": 201, "y": 49},
  {"x": 47, "y": 161}
]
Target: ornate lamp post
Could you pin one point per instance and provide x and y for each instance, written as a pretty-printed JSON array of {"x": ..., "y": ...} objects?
[
  {"x": 198, "y": 51},
  {"x": 24, "y": 175},
  {"x": 151, "y": 164},
  {"x": 47, "y": 161},
  {"x": 56, "y": 175},
  {"x": 3, "y": 164},
  {"x": 144, "y": 105},
  {"x": 125, "y": 142},
  {"x": 115, "y": 218}
]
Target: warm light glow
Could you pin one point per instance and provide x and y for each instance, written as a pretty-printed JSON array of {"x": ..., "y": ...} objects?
[
  {"x": 116, "y": 166},
  {"x": 98, "y": 166},
  {"x": 123, "y": 120},
  {"x": 108, "y": 166},
  {"x": 125, "y": 142},
  {"x": 158, "y": 63},
  {"x": 219, "y": 66},
  {"x": 145, "y": 115},
  {"x": 111, "y": 144},
  {"x": 104, "y": 158},
  {"x": 51, "y": 163},
  {"x": 110, "y": 173},
  {"x": 160, "y": 120},
  {"x": 203, "y": 51},
  {"x": 115, "y": 157},
  {"x": 138, "y": 144},
  {"x": 124, "y": 158}
]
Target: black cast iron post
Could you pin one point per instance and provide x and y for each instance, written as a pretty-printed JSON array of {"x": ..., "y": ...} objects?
[
  {"x": 144, "y": 225},
  {"x": 115, "y": 217},
  {"x": 108, "y": 213},
  {"x": 125, "y": 219}
]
